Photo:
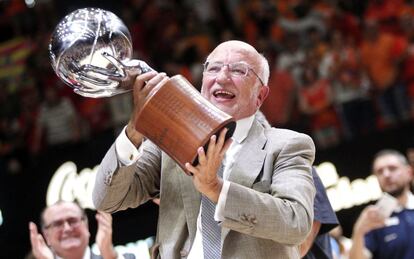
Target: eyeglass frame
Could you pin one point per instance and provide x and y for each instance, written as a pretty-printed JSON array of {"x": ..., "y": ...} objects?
[
  {"x": 71, "y": 221},
  {"x": 249, "y": 68}
]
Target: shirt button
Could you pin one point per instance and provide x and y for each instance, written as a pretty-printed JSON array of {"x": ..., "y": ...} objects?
[{"x": 131, "y": 157}]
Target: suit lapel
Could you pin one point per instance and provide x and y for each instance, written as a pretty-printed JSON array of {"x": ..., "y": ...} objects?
[
  {"x": 246, "y": 168},
  {"x": 191, "y": 200},
  {"x": 249, "y": 161}
]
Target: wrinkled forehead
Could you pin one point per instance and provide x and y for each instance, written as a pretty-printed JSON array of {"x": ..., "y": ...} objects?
[
  {"x": 61, "y": 211},
  {"x": 230, "y": 52}
]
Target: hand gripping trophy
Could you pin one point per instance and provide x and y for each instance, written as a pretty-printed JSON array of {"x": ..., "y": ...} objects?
[{"x": 91, "y": 51}]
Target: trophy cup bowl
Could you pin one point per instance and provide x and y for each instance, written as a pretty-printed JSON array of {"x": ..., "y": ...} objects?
[{"x": 91, "y": 51}]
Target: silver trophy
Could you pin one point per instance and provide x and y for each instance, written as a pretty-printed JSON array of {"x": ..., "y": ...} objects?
[{"x": 91, "y": 50}]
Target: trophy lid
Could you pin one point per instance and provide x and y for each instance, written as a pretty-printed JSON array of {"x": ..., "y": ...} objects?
[{"x": 79, "y": 40}]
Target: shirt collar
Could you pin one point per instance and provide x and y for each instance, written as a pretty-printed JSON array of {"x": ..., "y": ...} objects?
[
  {"x": 410, "y": 201},
  {"x": 408, "y": 205},
  {"x": 242, "y": 128},
  {"x": 86, "y": 255}
]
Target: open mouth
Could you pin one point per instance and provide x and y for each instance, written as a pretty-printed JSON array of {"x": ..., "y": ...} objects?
[{"x": 222, "y": 94}]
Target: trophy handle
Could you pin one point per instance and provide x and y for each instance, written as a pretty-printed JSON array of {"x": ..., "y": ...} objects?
[{"x": 121, "y": 75}]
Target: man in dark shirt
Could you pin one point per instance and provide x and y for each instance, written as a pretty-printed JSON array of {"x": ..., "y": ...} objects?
[{"x": 317, "y": 245}]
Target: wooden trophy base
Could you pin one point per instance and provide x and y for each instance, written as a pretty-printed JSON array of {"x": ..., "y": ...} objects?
[{"x": 179, "y": 120}]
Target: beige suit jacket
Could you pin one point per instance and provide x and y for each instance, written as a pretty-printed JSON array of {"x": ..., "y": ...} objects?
[{"x": 269, "y": 206}]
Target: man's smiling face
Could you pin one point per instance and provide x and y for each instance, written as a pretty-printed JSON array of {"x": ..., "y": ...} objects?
[
  {"x": 66, "y": 230},
  {"x": 239, "y": 96}
]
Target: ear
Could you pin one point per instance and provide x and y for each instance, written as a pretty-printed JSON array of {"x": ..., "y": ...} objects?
[{"x": 263, "y": 93}]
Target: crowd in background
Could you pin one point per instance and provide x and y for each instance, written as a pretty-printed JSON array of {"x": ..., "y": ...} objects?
[{"x": 339, "y": 69}]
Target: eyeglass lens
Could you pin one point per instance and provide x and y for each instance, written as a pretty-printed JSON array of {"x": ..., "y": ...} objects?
[{"x": 72, "y": 221}]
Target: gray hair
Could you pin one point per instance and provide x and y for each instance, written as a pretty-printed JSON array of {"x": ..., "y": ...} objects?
[{"x": 265, "y": 69}]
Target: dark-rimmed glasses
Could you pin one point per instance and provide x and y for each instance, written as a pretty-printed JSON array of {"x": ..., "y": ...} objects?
[
  {"x": 59, "y": 224},
  {"x": 237, "y": 69}
]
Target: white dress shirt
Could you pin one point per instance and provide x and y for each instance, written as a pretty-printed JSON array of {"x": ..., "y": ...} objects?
[{"x": 128, "y": 154}]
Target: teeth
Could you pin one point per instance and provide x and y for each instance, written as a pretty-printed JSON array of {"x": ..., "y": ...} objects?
[{"x": 223, "y": 92}]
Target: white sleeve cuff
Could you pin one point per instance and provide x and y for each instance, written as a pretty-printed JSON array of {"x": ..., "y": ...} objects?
[
  {"x": 219, "y": 213},
  {"x": 126, "y": 151}
]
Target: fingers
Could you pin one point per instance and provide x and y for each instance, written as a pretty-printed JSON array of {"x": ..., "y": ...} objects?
[
  {"x": 222, "y": 141},
  {"x": 190, "y": 168},
  {"x": 370, "y": 218},
  {"x": 164, "y": 79},
  {"x": 141, "y": 79},
  {"x": 148, "y": 81},
  {"x": 34, "y": 239},
  {"x": 218, "y": 147},
  {"x": 202, "y": 155},
  {"x": 37, "y": 241},
  {"x": 211, "y": 150},
  {"x": 211, "y": 159},
  {"x": 33, "y": 228},
  {"x": 144, "y": 85},
  {"x": 104, "y": 219}
]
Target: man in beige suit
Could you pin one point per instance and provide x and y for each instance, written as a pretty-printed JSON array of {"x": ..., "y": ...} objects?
[{"x": 265, "y": 197}]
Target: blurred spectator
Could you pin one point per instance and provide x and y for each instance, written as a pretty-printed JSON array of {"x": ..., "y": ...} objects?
[
  {"x": 259, "y": 19},
  {"x": 292, "y": 57},
  {"x": 383, "y": 236},
  {"x": 94, "y": 114},
  {"x": 65, "y": 232},
  {"x": 304, "y": 18},
  {"x": 385, "y": 13},
  {"x": 8, "y": 134},
  {"x": 410, "y": 157},
  {"x": 318, "y": 243},
  {"x": 188, "y": 29},
  {"x": 120, "y": 106},
  {"x": 343, "y": 243},
  {"x": 407, "y": 69},
  {"x": 316, "y": 43},
  {"x": 279, "y": 105},
  {"x": 58, "y": 122},
  {"x": 316, "y": 101},
  {"x": 345, "y": 22},
  {"x": 342, "y": 66},
  {"x": 29, "y": 112},
  {"x": 381, "y": 54},
  {"x": 9, "y": 147}
]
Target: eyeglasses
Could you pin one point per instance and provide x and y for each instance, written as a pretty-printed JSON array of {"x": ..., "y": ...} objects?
[
  {"x": 73, "y": 222},
  {"x": 237, "y": 69}
]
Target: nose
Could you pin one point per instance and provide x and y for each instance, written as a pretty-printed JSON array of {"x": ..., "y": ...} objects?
[
  {"x": 386, "y": 173},
  {"x": 223, "y": 75},
  {"x": 66, "y": 225}
]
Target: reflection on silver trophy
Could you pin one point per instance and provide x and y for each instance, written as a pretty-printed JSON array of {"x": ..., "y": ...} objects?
[{"x": 91, "y": 50}]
